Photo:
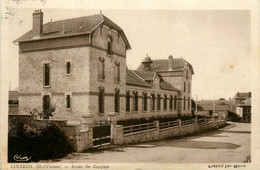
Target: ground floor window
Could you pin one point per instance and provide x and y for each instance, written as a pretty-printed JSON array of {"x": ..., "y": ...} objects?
[
  {"x": 184, "y": 103},
  {"x": 158, "y": 102},
  {"x": 68, "y": 101},
  {"x": 188, "y": 103},
  {"x": 127, "y": 102},
  {"x": 145, "y": 101},
  {"x": 152, "y": 102},
  {"x": 171, "y": 100},
  {"x": 101, "y": 101},
  {"x": 175, "y": 102},
  {"x": 117, "y": 100},
  {"x": 46, "y": 103},
  {"x": 135, "y": 101},
  {"x": 165, "y": 102}
]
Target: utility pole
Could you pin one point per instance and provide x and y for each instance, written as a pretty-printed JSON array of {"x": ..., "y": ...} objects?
[
  {"x": 214, "y": 105},
  {"x": 196, "y": 103}
]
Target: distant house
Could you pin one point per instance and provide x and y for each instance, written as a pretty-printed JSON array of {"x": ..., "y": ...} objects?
[
  {"x": 243, "y": 108},
  {"x": 13, "y": 102},
  {"x": 211, "y": 108},
  {"x": 239, "y": 97}
]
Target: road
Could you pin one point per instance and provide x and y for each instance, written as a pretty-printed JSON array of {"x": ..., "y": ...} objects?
[{"x": 230, "y": 144}]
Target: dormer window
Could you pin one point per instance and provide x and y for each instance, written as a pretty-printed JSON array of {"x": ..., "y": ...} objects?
[{"x": 109, "y": 45}]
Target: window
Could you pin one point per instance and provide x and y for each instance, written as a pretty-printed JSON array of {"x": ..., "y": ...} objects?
[
  {"x": 175, "y": 102},
  {"x": 145, "y": 102},
  {"x": 184, "y": 87},
  {"x": 171, "y": 100},
  {"x": 101, "y": 69},
  {"x": 46, "y": 103},
  {"x": 68, "y": 68},
  {"x": 187, "y": 74},
  {"x": 165, "y": 102},
  {"x": 135, "y": 101},
  {"x": 117, "y": 72},
  {"x": 46, "y": 74},
  {"x": 127, "y": 102},
  {"x": 101, "y": 100},
  {"x": 68, "y": 101},
  {"x": 109, "y": 45},
  {"x": 117, "y": 100},
  {"x": 188, "y": 87},
  {"x": 152, "y": 102},
  {"x": 188, "y": 103},
  {"x": 158, "y": 102},
  {"x": 184, "y": 103}
]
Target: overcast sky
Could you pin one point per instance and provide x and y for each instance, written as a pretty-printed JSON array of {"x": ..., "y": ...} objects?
[{"x": 216, "y": 43}]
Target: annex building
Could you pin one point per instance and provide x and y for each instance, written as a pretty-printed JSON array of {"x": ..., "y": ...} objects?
[{"x": 79, "y": 65}]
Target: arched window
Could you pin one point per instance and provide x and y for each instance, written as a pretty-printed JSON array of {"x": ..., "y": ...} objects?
[
  {"x": 175, "y": 102},
  {"x": 109, "y": 45},
  {"x": 127, "y": 101},
  {"x": 135, "y": 101},
  {"x": 101, "y": 100},
  {"x": 165, "y": 102},
  {"x": 117, "y": 100},
  {"x": 171, "y": 100},
  {"x": 152, "y": 102}
]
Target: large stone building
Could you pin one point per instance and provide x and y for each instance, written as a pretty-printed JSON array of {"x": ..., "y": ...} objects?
[{"x": 79, "y": 65}]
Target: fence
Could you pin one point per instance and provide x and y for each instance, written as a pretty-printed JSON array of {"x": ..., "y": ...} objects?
[
  {"x": 169, "y": 124},
  {"x": 162, "y": 130},
  {"x": 201, "y": 121},
  {"x": 187, "y": 122},
  {"x": 138, "y": 128}
]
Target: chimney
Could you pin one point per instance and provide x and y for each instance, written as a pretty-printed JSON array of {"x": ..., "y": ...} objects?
[
  {"x": 37, "y": 23},
  {"x": 170, "y": 63}
]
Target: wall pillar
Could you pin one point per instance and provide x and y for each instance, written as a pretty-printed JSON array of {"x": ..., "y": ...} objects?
[
  {"x": 87, "y": 125},
  {"x": 112, "y": 118},
  {"x": 196, "y": 124}
]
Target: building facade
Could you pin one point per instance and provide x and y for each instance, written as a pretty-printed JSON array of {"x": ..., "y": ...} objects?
[
  {"x": 79, "y": 65},
  {"x": 243, "y": 106}
]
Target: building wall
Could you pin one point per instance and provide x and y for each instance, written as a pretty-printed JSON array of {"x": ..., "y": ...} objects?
[
  {"x": 178, "y": 82},
  {"x": 149, "y": 113},
  {"x": 31, "y": 87},
  {"x": 99, "y": 39}
]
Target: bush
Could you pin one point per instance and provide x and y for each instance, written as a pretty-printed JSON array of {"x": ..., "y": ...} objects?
[
  {"x": 48, "y": 144},
  {"x": 128, "y": 122}
]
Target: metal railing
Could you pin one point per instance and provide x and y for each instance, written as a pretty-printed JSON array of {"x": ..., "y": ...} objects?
[{"x": 137, "y": 128}]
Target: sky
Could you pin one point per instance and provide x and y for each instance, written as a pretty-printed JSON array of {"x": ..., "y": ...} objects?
[{"x": 215, "y": 42}]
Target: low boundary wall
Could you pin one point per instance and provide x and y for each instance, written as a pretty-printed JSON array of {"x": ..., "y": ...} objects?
[
  {"x": 80, "y": 135},
  {"x": 180, "y": 129}
]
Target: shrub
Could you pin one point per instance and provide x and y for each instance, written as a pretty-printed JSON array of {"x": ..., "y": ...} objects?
[
  {"x": 135, "y": 121},
  {"x": 48, "y": 144}
]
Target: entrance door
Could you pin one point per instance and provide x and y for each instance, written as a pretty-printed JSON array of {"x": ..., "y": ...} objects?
[{"x": 46, "y": 103}]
